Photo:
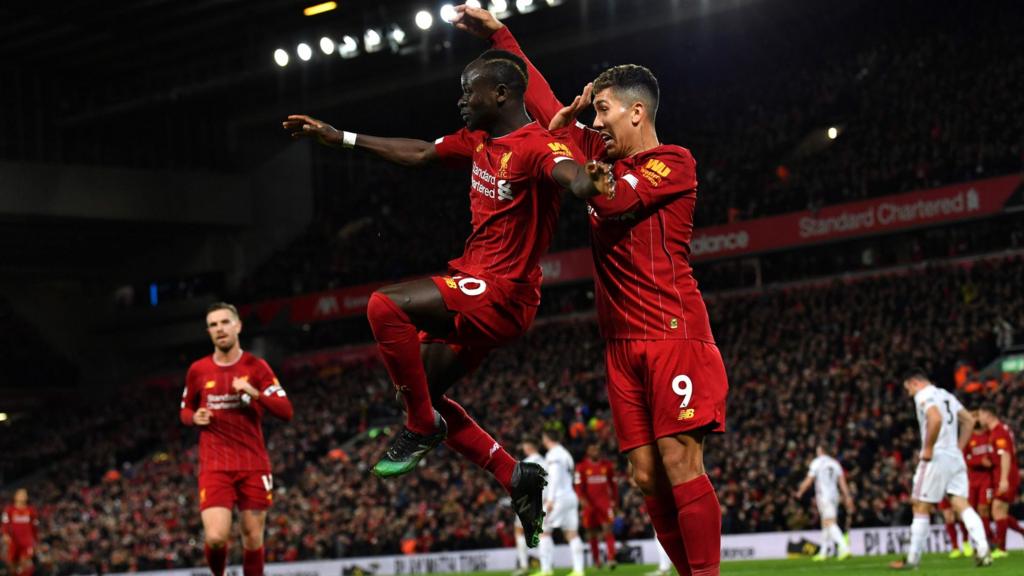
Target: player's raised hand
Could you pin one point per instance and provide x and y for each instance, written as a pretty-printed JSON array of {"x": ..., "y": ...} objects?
[
  {"x": 568, "y": 114},
  {"x": 201, "y": 417},
  {"x": 603, "y": 178},
  {"x": 302, "y": 126},
  {"x": 476, "y": 21}
]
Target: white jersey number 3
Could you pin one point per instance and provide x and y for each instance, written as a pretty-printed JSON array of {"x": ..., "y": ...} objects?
[{"x": 683, "y": 386}]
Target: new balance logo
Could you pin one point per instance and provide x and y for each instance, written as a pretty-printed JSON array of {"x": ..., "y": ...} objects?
[
  {"x": 560, "y": 149},
  {"x": 658, "y": 167}
]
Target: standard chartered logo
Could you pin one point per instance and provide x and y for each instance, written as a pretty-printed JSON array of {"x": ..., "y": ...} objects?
[{"x": 715, "y": 243}]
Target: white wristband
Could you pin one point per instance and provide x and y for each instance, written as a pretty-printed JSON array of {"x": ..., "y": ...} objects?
[{"x": 348, "y": 139}]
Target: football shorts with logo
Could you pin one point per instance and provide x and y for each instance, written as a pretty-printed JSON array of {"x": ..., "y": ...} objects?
[
  {"x": 246, "y": 489},
  {"x": 596, "y": 516},
  {"x": 944, "y": 474},
  {"x": 660, "y": 388},
  {"x": 564, "y": 515},
  {"x": 489, "y": 312},
  {"x": 981, "y": 488}
]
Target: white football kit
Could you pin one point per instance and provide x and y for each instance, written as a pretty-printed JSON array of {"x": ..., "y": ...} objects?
[
  {"x": 565, "y": 515},
  {"x": 826, "y": 472},
  {"x": 946, "y": 473}
]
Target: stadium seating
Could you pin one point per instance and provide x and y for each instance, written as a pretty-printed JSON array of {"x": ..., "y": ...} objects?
[{"x": 815, "y": 362}]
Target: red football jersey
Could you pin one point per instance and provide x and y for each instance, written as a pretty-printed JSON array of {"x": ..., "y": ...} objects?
[
  {"x": 233, "y": 440},
  {"x": 514, "y": 201},
  {"x": 645, "y": 287},
  {"x": 977, "y": 450},
  {"x": 595, "y": 482},
  {"x": 21, "y": 525},
  {"x": 1002, "y": 441}
]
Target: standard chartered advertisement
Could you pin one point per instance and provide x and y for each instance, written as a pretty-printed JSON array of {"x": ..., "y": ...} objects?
[{"x": 763, "y": 546}]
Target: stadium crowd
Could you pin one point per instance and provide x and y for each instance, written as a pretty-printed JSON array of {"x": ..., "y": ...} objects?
[
  {"x": 899, "y": 130},
  {"x": 816, "y": 362}
]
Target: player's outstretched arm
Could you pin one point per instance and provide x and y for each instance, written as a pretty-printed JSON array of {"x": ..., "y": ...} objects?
[
  {"x": 403, "y": 151},
  {"x": 541, "y": 101}
]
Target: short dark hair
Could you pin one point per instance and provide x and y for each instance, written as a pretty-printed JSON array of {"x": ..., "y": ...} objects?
[
  {"x": 222, "y": 306},
  {"x": 632, "y": 81},
  {"x": 553, "y": 433},
  {"x": 988, "y": 407},
  {"x": 916, "y": 373},
  {"x": 506, "y": 68}
]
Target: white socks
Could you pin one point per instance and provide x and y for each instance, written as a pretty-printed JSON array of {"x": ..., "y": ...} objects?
[
  {"x": 524, "y": 562},
  {"x": 976, "y": 530},
  {"x": 837, "y": 537},
  {"x": 546, "y": 551},
  {"x": 664, "y": 562},
  {"x": 576, "y": 547},
  {"x": 918, "y": 534}
]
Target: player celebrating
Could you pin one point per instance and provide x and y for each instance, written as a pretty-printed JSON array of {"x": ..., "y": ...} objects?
[
  {"x": 829, "y": 480},
  {"x": 941, "y": 470},
  {"x": 561, "y": 504},
  {"x": 531, "y": 456},
  {"x": 598, "y": 493},
  {"x": 667, "y": 384},
  {"x": 20, "y": 533},
  {"x": 432, "y": 331},
  {"x": 226, "y": 395},
  {"x": 1005, "y": 475}
]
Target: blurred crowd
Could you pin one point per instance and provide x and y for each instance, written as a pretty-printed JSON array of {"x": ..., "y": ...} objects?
[
  {"x": 928, "y": 95},
  {"x": 817, "y": 362}
]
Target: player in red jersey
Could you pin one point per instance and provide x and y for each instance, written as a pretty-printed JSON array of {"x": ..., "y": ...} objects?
[
  {"x": 667, "y": 384},
  {"x": 226, "y": 395},
  {"x": 979, "y": 457},
  {"x": 432, "y": 331},
  {"x": 20, "y": 533},
  {"x": 1005, "y": 475},
  {"x": 599, "y": 495}
]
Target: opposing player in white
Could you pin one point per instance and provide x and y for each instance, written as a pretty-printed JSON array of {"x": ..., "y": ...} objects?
[
  {"x": 532, "y": 455},
  {"x": 561, "y": 505},
  {"x": 664, "y": 562},
  {"x": 827, "y": 476},
  {"x": 941, "y": 470}
]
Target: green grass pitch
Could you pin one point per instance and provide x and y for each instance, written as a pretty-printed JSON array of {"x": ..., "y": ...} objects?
[{"x": 931, "y": 564}]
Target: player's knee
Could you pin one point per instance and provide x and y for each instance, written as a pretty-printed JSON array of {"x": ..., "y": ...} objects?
[
  {"x": 645, "y": 480},
  {"x": 216, "y": 538},
  {"x": 380, "y": 309}
]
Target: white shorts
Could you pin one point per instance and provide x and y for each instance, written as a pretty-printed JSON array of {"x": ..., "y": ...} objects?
[
  {"x": 945, "y": 474},
  {"x": 828, "y": 509},
  {"x": 564, "y": 516}
]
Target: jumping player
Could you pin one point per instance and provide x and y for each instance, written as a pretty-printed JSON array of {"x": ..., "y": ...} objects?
[
  {"x": 667, "y": 384},
  {"x": 20, "y": 533},
  {"x": 432, "y": 331},
  {"x": 226, "y": 395},
  {"x": 599, "y": 495},
  {"x": 946, "y": 428},
  {"x": 829, "y": 481},
  {"x": 1005, "y": 475}
]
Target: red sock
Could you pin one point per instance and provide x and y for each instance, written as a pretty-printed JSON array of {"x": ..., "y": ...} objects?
[
  {"x": 252, "y": 562},
  {"x": 1001, "y": 526},
  {"x": 466, "y": 437},
  {"x": 951, "y": 532},
  {"x": 700, "y": 523},
  {"x": 27, "y": 571},
  {"x": 609, "y": 542},
  {"x": 216, "y": 558},
  {"x": 595, "y": 551},
  {"x": 665, "y": 519},
  {"x": 399, "y": 345},
  {"x": 1014, "y": 525},
  {"x": 987, "y": 524}
]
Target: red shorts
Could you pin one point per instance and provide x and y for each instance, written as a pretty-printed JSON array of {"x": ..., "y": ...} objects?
[
  {"x": 980, "y": 491},
  {"x": 18, "y": 551},
  {"x": 489, "y": 313},
  {"x": 660, "y": 388},
  {"x": 596, "y": 516},
  {"x": 250, "y": 490}
]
